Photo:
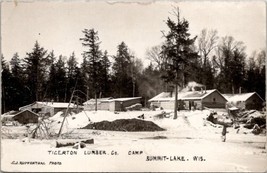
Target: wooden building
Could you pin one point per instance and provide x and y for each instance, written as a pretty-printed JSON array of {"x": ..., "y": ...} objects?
[
  {"x": 119, "y": 104},
  {"x": 245, "y": 100},
  {"x": 102, "y": 104},
  {"x": 48, "y": 108},
  {"x": 111, "y": 104},
  {"x": 190, "y": 100},
  {"x": 23, "y": 117}
]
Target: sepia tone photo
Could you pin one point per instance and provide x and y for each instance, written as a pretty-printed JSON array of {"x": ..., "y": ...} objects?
[{"x": 137, "y": 86}]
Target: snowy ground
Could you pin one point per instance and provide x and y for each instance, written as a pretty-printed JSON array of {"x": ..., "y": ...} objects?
[{"x": 188, "y": 136}]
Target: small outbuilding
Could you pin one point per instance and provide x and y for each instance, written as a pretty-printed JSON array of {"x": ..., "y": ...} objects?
[
  {"x": 25, "y": 117},
  {"x": 190, "y": 100},
  {"x": 246, "y": 101}
]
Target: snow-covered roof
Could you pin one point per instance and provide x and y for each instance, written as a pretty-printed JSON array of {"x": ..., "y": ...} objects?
[
  {"x": 110, "y": 99},
  {"x": 125, "y": 99},
  {"x": 92, "y": 101},
  {"x": 57, "y": 104},
  {"x": 161, "y": 96},
  {"x": 39, "y": 104},
  {"x": 240, "y": 97},
  {"x": 195, "y": 95},
  {"x": 187, "y": 95},
  {"x": 9, "y": 116},
  {"x": 25, "y": 111}
]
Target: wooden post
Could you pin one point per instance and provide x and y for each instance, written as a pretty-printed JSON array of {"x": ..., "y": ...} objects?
[
  {"x": 175, "y": 101},
  {"x": 95, "y": 101},
  {"x": 66, "y": 113}
]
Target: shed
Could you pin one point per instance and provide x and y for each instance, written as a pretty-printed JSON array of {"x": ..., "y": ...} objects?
[
  {"x": 245, "y": 100},
  {"x": 190, "y": 100},
  {"x": 23, "y": 117},
  {"x": 48, "y": 108}
]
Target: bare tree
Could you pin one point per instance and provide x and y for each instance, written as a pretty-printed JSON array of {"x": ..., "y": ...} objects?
[
  {"x": 154, "y": 54},
  {"x": 261, "y": 59},
  {"x": 207, "y": 41},
  {"x": 224, "y": 50},
  {"x": 230, "y": 63}
]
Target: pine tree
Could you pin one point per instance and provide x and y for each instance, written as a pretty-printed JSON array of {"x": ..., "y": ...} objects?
[
  {"x": 35, "y": 72},
  {"x": 50, "y": 93},
  {"x": 85, "y": 76},
  {"x": 105, "y": 74},
  {"x": 71, "y": 78},
  {"x": 6, "y": 86},
  {"x": 60, "y": 78},
  {"x": 17, "y": 83},
  {"x": 122, "y": 72},
  {"x": 92, "y": 59},
  {"x": 15, "y": 64},
  {"x": 255, "y": 74},
  {"x": 179, "y": 53}
]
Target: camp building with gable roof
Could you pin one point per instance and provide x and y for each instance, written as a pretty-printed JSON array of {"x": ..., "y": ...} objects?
[{"x": 190, "y": 100}]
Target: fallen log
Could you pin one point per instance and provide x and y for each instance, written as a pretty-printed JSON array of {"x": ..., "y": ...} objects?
[{"x": 65, "y": 143}]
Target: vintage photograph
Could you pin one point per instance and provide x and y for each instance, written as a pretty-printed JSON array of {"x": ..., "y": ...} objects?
[{"x": 137, "y": 86}]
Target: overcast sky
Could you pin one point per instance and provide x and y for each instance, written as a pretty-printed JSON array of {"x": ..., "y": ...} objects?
[{"x": 57, "y": 25}]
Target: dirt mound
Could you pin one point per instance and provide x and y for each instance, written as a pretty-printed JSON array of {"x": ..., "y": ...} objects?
[{"x": 130, "y": 125}]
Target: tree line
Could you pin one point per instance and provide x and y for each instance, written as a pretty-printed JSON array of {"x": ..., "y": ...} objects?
[{"x": 216, "y": 62}]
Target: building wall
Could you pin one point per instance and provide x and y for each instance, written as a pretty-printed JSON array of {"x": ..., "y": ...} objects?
[
  {"x": 112, "y": 105},
  {"x": 89, "y": 107},
  {"x": 254, "y": 102},
  {"x": 103, "y": 106},
  {"x": 155, "y": 103},
  {"x": 195, "y": 105},
  {"x": 239, "y": 104},
  {"x": 116, "y": 106},
  {"x": 48, "y": 109},
  {"x": 214, "y": 100},
  {"x": 130, "y": 102},
  {"x": 26, "y": 117},
  {"x": 167, "y": 104},
  {"x": 170, "y": 104},
  {"x": 121, "y": 105},
  {"x": 100, "y": 106}
]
